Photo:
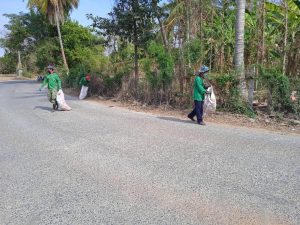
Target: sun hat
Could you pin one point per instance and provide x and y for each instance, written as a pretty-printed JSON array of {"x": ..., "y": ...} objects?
[
  {"x": 49, "y": 67},
  {"x": 203, "y": 69}
]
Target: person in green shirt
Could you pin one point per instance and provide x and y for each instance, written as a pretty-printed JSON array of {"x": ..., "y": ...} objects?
[
  {"x": 85, "y": 80},
  {"x": 84, "y": 83},
  {"x": 53, "y": 83},
  {"x": 198, "y": 96}
]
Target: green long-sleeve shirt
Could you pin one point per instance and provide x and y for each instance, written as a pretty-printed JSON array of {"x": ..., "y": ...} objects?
[
  {"x": 83, "y": 81},
  {"x": 53, "y": 81},
  {"x": 199, "y": 90}
]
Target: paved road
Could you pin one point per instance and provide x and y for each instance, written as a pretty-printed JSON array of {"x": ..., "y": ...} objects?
[{"x": 104, "y": 165}]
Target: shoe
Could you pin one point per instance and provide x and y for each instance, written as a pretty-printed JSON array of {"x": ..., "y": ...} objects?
[
  {"x": 191, "y": 118},
  {"x": 56, "y": 106},
  {"x": 52, "y": 110},
  {"x": 202, "y": 123}
]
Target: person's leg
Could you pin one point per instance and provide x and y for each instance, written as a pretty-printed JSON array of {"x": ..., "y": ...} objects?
[
  {"x": 52, "y": 98},
  {"x": 49, "y": 95},
  {"x": 198, "y": 111},
  {"x": 54, "y": 95},
  {"x": 192, "y": 114},
  {"x": 201, "y": 112}
]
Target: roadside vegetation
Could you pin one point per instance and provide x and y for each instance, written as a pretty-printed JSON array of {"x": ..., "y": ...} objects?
[{"x": 149, "y": 52}]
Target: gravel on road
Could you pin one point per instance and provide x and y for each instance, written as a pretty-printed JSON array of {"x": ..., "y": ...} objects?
[{"x": 106, "y": 165}]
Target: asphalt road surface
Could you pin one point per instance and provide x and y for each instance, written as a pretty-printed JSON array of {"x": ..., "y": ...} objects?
[{"x": 107, "y": 165}]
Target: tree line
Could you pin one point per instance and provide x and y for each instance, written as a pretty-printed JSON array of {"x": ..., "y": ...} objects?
[{"x": 150, "y": 51}]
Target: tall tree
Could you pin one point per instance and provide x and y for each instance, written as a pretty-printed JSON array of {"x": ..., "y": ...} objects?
[
  {"x": 56, "y": 11},
  {"x": 132, "y": 21},
  {"x": 285, "y": 6},
  {"x": 239, "y": 45}
]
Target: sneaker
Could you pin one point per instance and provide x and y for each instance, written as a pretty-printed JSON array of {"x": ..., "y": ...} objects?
[
  {"x": 191, "y": 118},
  {"x": 52, "y": 110},
  {"x": 202, "y": 123}
]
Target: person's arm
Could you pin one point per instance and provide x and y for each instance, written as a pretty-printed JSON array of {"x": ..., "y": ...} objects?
[
  {"x": 199, "y": 85},
  {"x": 45, "y": 81},
  {"x": 81, "y": 81},
  {"x": 58, "y": 82}
]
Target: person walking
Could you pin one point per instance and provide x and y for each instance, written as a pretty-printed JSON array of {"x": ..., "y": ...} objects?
[
  {"x": 53, "y": 83},
  {"x": 198, "y": 96}
]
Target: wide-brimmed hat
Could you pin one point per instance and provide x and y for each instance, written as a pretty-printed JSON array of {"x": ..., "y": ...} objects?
[
  {"x": 203, "y": 69},
  {"x": 49, "y": 67}
]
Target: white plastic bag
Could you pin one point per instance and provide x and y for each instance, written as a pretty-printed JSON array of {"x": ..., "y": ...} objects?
[
  {"x": 83, "y": 92},
  {"x": 62, "y": 105},
  {"x": 210, "y": 101}
]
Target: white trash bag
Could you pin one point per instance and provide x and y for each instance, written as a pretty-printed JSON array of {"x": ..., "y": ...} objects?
[
  {"x": 62, "y": 105},
  {"x": 210, "y": 101},
  {"x": 83, "y": 92}
]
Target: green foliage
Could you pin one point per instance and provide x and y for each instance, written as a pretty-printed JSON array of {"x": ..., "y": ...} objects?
[
  {"x": 72, "y": 79},
  {"x": 47, "y": 52},
  {"x": 227, "y": 90},
  {"x": 32, "y": 35},
  {"x": 279, "y": 89},
  {"x": 295, "y": 86},
  {"x": 131, "y": 20},
  {"x": 194, "y": 51},
  {"x": 81, "y": 46},
  {"x": 158, "y": 66},
  {"x": 8, "y": 63}
]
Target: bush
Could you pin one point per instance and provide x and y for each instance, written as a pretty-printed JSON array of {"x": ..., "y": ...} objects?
[
  {"x": 295, "y": 86},
  {"x": 107, "y": 85},
  {"x": 279, "y": 89},
  {"x": 73, "y": 78},
  {"x": 158, "y": 68},
  {"x": 228, "y": 94}
]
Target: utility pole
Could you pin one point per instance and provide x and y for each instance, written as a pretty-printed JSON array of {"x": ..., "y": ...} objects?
[{"x": 19, "y": 68}]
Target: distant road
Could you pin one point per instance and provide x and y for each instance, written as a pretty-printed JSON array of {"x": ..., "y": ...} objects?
[{"x": 106, "y": 165}]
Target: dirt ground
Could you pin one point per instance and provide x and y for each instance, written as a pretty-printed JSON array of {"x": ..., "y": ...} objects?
[{"x": 261, "y": 121}]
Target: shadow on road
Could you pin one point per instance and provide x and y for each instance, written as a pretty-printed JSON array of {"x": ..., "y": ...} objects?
[
  {"x": 43, "y": 108},
  {"x": 175, "y": 120},
  {"x": 30, "y": 96},
  {"x": 18, "y": 82}
]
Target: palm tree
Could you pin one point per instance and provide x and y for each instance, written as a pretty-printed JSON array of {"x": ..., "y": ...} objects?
[
  {"x": 239, "y": 45},
  {"x": 55, "y": 10}
]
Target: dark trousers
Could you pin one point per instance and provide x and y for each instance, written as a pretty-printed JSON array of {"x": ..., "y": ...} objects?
[{"x": 197, "y": 111}]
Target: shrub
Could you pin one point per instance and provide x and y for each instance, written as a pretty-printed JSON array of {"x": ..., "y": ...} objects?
[
  {"x": 228, "y": 94},
  {"x": 278, "y": 86},
  {"x": 158, "y": 68}
]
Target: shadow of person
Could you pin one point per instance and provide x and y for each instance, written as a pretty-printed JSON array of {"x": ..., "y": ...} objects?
[
  {"x": 175, "y": 119},
  {"x": 30, "y": 96},
  {"x": 43, "y": 108}
]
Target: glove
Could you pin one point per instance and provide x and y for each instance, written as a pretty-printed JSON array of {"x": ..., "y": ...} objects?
[{"x": 208, "y": 91}]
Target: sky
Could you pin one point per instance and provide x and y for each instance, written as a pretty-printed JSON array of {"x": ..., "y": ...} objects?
[{"x": 95, "y": 7}]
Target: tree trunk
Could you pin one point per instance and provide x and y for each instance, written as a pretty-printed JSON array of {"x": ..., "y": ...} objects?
[
  {"x": 60, "y": 42},
  {"x": 285, "y": 36},
  {"x": 136, "y": 57},
  {"x": 163, "y": 33},
  {"x": 211, "y": 46},
  {"x": 263, "y": 23},
  {"x": 187, "y": 41},
  {"x": 162, "y": 29},
  {"x": 239, "y": 46}
]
